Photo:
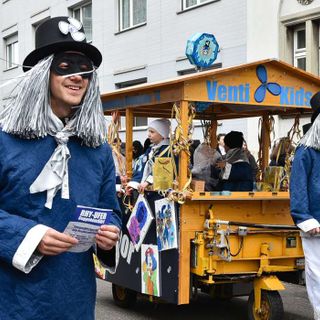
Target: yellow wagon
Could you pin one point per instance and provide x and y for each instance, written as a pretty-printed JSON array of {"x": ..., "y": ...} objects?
[{"x": 229, "y": 244}]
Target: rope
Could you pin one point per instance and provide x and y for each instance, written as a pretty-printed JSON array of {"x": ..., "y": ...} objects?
[
  {"x": 114, "y": 141},
  {"x": 294, "y": 131},
  {"x": 270, "y": 129},
  {"x": 206, "y": 131},
  {"x": 180, "y": 142}
]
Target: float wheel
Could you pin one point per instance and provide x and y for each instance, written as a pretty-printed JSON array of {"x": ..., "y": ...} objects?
[
  {"x": 271, "y": 306},
  {"x": 123, "y": 297}
]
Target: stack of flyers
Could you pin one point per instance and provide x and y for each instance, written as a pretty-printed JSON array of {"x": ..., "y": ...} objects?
[{"x": 85, "y": 224}]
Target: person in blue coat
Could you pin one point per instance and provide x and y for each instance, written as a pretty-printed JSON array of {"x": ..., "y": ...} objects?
[
  {"x": 54, "y": 157},
  {"x": 305, "y": 204},
  {"x": 234, "y": 170}
]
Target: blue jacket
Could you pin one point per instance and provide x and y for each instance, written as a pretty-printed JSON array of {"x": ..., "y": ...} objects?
[
  {"x": 305, "y": 185},
  {"x": 240, "y": 178},
  {"x": 62, "y": 286}
]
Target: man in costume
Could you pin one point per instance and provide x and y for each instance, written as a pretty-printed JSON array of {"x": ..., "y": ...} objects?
[
  {"x": 305, "y": 204},
  {"x": 54, "y": 157}
]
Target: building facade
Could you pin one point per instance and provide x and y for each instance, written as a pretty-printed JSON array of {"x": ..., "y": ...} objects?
[{"x": 144, "y": 40}]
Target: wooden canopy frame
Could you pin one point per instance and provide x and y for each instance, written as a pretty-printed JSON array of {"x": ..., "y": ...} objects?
[{"x": 227, "y": 93}]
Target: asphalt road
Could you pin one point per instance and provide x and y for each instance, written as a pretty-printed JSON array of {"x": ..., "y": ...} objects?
[{"x": 295, "y": 301}]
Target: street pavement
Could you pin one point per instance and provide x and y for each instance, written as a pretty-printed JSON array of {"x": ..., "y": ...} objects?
[{"x": 295, "y": 301}]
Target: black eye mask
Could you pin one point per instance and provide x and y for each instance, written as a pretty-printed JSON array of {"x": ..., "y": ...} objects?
[{"x": 65, "y": 64}]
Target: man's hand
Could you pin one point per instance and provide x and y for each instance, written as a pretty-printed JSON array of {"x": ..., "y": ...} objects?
[
  {"x": 314, "y": 231},
  {"x": 107, "y": 237},
  {"x": 54, "y": 243},
  {"x": 124, "y": 180},
  {"x": 142, "y": 186}
]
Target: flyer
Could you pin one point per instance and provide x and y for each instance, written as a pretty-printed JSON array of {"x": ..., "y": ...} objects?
[{"x": 85, "y": 224}]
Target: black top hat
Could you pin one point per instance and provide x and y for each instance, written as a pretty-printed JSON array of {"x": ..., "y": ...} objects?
[
  {"x": 315, "y": 105},
  {"x": 61, "y": 34},
  {"x": 315, "y": 101}
]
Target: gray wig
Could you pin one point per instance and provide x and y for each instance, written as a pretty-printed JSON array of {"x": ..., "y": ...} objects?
[
  {"x": 26, "y": 114},
  {"x": 312, "y": 137}
]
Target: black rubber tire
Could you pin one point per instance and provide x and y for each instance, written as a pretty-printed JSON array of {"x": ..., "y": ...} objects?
[
  {"x": 123, "y": 297},
  {"x": 271, "y": 305}
]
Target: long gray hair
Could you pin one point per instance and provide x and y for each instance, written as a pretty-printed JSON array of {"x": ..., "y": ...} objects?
[
  {"x": 312, "y": 137},
  {"x": 26, "y": 114}
]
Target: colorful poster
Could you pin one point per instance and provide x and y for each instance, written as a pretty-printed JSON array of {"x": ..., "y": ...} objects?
[
  {"x": 150, "y": 269},
  {"x": 166, "y": 225},
  {"x": 139, "y": 221}
]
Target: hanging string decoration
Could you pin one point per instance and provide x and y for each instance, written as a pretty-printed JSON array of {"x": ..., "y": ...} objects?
[
  {"x": 270, "y": 129},
  {"x": 115, "y": 142},
  {"x": 181, "y": 142}
]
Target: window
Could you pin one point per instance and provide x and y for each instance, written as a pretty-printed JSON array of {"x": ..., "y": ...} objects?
[
  {"x": 129, "y": 83},
  {"x": 192, "y": 3},
  {"x": 299, "y": 45},
  {"x": 140, "y": 121},
  {"x": 84, "y": 14},
  {"x": 132, "y": 13},
  {"x": 137, "y": 121},
  {"x": 12, "y": 51},
  {"x": 194, "y": 69}
]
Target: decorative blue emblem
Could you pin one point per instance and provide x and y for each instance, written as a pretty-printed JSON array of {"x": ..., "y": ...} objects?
[
  {"x": 202, "y": 49},
  {"x": 272, "y": 87}
]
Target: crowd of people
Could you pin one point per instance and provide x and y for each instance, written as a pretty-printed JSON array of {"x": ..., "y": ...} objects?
[{"x": 228, "y": 167}]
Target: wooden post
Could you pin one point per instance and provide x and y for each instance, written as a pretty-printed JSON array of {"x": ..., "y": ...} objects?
[
  {"x": 184, "y": 250},
  {"x": 129, "y": 140},
  {"x": 213, "y": 133},
  {"x": 183, "y": 163}
]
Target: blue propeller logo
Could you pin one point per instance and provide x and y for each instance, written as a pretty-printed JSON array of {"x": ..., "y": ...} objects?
[{"x": 272, "y": 87}]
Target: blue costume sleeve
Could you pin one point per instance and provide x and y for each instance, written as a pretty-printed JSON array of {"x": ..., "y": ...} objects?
[
  {"x": 13, "y": 227},
  {"x": 13, "y": 230},
  {"x": 299, "y": 193}
]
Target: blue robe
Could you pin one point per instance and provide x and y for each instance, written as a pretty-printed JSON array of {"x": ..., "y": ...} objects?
[
  {"x": 63, "y": 286},
  {"x": 305, "y": 185}
]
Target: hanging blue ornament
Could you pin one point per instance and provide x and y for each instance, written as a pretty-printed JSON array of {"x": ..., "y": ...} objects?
[
  {"x": 202, "y": 106},
  {"x": 202, "y": 50}
]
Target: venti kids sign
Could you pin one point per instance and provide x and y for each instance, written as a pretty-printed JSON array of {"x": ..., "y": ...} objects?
[{"x": 258, "y": 86}]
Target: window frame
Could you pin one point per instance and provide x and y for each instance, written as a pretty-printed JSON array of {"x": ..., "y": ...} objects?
[
  {"x": 198, "y": 4},
  {"x": 12, "y": 57},
  {"x": 131, "y": 11},
  {"x": 298, "y": 53},
  {"x": 80, "y": 8}
]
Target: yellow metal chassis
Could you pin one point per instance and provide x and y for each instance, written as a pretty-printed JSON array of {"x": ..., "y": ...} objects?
[{"x": 260, "y": 252}]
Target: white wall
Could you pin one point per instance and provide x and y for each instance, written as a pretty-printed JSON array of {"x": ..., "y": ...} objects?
[
  {"x": 262, "y": 29},
  {"x": 292, "y": 7}
]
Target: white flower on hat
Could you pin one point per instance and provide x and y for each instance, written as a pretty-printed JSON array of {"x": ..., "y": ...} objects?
[{"x": 73, "y": 27}]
